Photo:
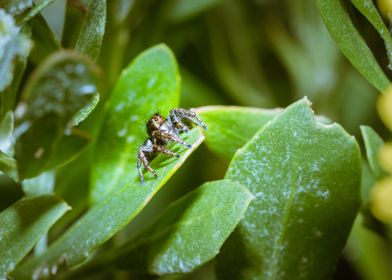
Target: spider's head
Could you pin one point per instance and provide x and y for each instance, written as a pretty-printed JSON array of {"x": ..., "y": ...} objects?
[{"x": 155, "y": 122}]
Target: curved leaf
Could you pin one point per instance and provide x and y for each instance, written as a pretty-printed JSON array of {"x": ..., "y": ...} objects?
[
  {"x": 148, "y": 85},
  {"x": 42, "y": 184},
  {"x": 109, "y": 216},
  {"x": 6, "y": 133},
  {"x": 369, "y": 252},
  {"x": 350, "y": 42},
  {"x": 13, "y": 44},
  {"x": 367, "y": 8},
  {"x": 92, "y": 30},
  {"x": 8, "y": 166},
  {"x": 186, "y": 235},
  {"x": 305, "y": 177},
  {"x": 59, "y": 95},
  {"x": 24, "y": 10},
  {"x": 23, "y": 223},
  {"x": 230, "y": 127}
]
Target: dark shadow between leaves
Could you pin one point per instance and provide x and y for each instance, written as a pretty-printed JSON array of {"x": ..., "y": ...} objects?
[
  {"x": 228, "y": 267},
  {"x": 138, "y": 254}
]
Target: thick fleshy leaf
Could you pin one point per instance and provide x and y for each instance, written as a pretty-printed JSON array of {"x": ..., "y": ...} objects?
[
  {"x": 8, "y": 166},
  {"x": 305, "y": 177},
  {"x": 42, "y": 184},
  {"x": 368, "y": 252},
  {"x": 23, "y": 223},
  {"x": 186, "y": 235},
  {"x": 6, "y": 133},
  {"x": 367, "y": 8},
  {"x": 110, "y": 215},
  {"x": 13, "y": 44},
  {"x": 350, "y": 42},
  {"x": 373, "y": 143},
  {"x": 92, "y": 30},
  {"x": 24, "y": 10},
  {"x": 59, "y": 95},
  {"x": 230, "y": 127},
  {"x": 148, "y": 85},
  {"x": 10, "y": 95}
]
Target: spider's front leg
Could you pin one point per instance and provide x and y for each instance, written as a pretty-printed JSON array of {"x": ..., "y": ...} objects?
[
  {"x": 177, "y": 115},
  {"x": 166, "y": 136},
  {"x": 142, "y": 158}
]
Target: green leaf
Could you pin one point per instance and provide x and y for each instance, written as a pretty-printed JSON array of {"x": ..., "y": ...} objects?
[
  {"x": 8, "y": 166},
  {"x": 13, "y": 44},
  {"x": 367, "y": 182},
  {"x": 6, "y": 131},
  {"x": 10, "y": 95},
  {"x": 350, "y": 42},
  {"x": 368, "y": 252},
  {"x": 230, "y": 127},
  {"x": 373, "y": 142},
  {"x": 23, "y": 223},
  {"x": 42, "y": 184},
  {"x": 24, "y": 10},
  {"x": 92, "y": 30},
  {"x": 110, "y": 215},
  {"x": 367, "y": 8},
  {"x": 305, "y": 177},
  {"x": 186, "y": 235},
  {"x": 35, "y": 10},
  {"x": 59, "y": 95},
  {"x": 72, "y": 181},
  {"x": 148, "y": 85}
]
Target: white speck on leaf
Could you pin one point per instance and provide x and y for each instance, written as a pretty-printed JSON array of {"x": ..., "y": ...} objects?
[{"x": 122, "y": 132}]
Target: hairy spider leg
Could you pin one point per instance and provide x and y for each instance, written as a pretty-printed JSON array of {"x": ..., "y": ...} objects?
[
  {"x": 176, "y": 115},
  {"x": 162, "y": 149},
  {"x": 167, "y": 136},
  {"x": 147, "y": 147}
]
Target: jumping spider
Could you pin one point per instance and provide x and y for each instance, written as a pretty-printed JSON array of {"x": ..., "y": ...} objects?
[{"x": 160, "y": 131}]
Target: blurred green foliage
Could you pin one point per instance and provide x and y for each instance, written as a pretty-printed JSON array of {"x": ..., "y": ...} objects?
[{"x": 80, "y": 78}]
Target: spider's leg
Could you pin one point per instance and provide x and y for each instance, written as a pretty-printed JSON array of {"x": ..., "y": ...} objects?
[
  {"x": 162, "y": 149},
  {"x": 176, "y": 115},
  {"x": 170, "y": 136},
  {"x": 142, "y": 159},
  {"x": 139, "y": 169},
  {"x": 181, "y": 127},
  {"x": 147, "y": 166}
]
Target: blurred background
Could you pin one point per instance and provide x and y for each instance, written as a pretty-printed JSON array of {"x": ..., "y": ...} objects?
[{"x": 258, "y": 53}]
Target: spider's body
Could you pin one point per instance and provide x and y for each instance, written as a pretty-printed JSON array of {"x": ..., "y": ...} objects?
[{"x": 160, "y": 131}]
